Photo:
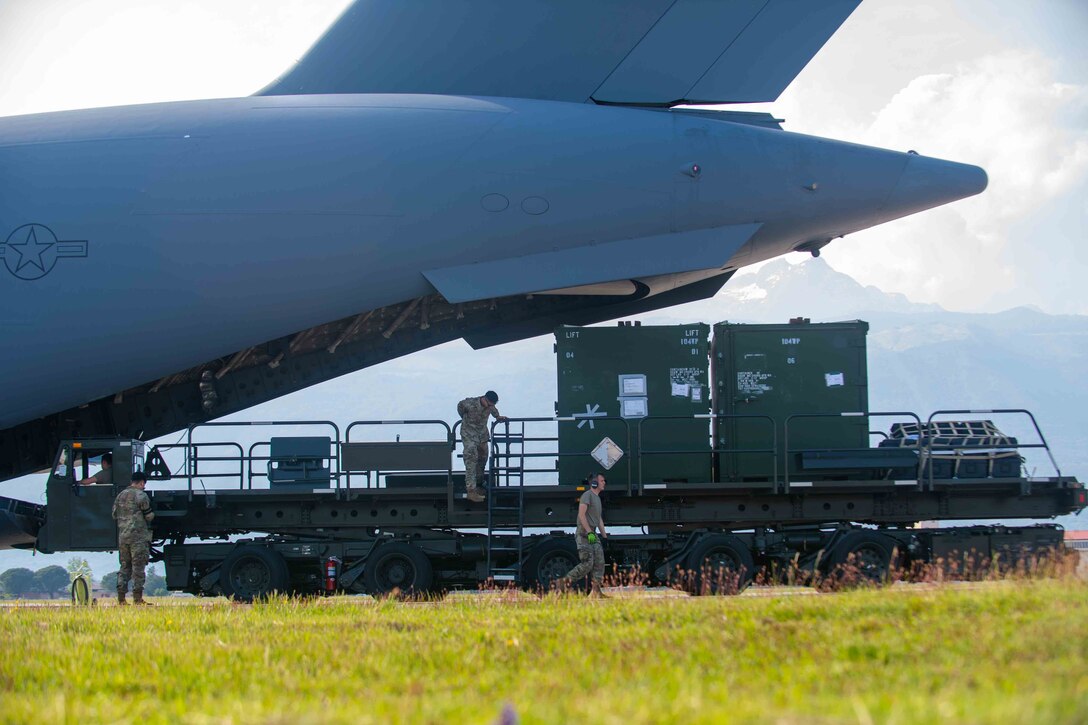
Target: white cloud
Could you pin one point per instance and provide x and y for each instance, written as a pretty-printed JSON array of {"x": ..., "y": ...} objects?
[{"x": 1006, "y": 113}]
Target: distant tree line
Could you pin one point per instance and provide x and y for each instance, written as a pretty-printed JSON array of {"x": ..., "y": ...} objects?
[
  {"x": 52, "y": 581},
  {"x": 47, "y": 582}
]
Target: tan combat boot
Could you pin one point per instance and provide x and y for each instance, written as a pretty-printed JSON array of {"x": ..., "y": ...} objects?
[
  {"x": 121, "y": 598},
  {"x": 138, "y": 598},
  {"x": 474, "y": 495}
]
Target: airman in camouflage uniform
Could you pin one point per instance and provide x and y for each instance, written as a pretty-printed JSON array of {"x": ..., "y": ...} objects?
[
  {"x": 474, "y": 414},
  {"x": 586, "y": 539},
  {"x": 105, "y": 476},
  {"x": 132, "y": 511}
]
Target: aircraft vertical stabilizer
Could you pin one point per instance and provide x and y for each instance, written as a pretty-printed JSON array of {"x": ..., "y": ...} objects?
[{"x": 630, "y": 52}]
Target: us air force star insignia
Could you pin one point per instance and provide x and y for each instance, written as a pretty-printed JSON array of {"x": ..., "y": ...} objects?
[{"x": 32, "y": 250}]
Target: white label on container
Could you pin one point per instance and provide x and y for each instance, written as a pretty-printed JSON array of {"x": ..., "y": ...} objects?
[
  {"x": 680, "y": 390},
  {"x": 696, "y": 394},
  {"x": 634, "y": 385},
  {"x": 753, "y": 382},
  {"x": 634, "y": 407},
  {"x": 688, "y": 376},
  {"x": 834, "y": 380}
]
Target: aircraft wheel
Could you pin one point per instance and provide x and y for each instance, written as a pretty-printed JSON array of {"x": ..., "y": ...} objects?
[
  {"x": 398, "y": 566},
  {"x": 253, "y": 572}
]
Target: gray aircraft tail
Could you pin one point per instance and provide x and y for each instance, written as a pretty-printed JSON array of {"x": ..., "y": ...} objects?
[{"x": 628, "y": 52}]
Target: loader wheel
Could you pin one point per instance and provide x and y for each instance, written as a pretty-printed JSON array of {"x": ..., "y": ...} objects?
[
  {"x": 253, "y": 572},
  {"x": 550, "y": 560},
  {"x": 720, "y": 564},
  {"x": 862, "y": 557},
  {"x": 398, "y": 566}
]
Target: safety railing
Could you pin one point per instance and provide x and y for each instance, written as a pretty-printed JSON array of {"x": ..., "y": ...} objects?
[
  {"x": 192, "y": 456},
  {"x": 531, "y": 448},
  {"x": 246, "y": 473},
  {"x": 196, "y": 453},
  {"x": 378, "y": 423},
  {"x": 526, "y": 451},
  {"x": 930, "y": 450},
  {"x": 391, "y": 459}
]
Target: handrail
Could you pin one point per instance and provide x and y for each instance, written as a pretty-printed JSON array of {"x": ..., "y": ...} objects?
[
  {"x": 193, "y": 458},
  {"x": 449, "y": 440},
  {"x": 517, "y": 444},
  {"x": 849, "y": 414},
  {"x": 243, "y": 459},
  {"x": 996, "y": 411},
  {"x": 714, "y": 450},
  {"x": 353, "y": 424},
  {"x": 557, "y": 454}
]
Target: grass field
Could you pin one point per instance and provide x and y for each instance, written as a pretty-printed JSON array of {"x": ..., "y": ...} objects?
[{"x": 993, "y": 652}]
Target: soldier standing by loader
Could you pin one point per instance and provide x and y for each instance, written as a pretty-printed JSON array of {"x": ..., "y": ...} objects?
[
  {"x": 474, "y": 414},
  {"x": 132, "y": 511}
]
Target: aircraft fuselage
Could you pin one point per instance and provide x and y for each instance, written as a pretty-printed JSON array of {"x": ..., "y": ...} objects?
[{"x": 191, "y": 230}]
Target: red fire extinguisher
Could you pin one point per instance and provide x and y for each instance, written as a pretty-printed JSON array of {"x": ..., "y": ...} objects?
[{"x": 332, "y": 570}]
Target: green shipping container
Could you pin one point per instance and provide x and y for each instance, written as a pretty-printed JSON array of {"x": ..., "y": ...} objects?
[
  {"x": 638, "y": 375},
  {"x": 783, "y": 370}
]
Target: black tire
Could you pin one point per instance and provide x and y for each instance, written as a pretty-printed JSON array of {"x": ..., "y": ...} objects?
[
  {"x": 253, "y": 572},
  {"x": 720, "y": 564},
  {"x": 398, "y": 566},
  {"x": 548, "y": 561},
  {"x": 861, "y": 557}
]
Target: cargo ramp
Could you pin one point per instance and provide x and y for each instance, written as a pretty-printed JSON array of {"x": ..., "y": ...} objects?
[{"x": 19, "y": 523}]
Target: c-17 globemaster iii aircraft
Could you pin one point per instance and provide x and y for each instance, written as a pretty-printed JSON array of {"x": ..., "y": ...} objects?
[{"x": 429, "y": 170}]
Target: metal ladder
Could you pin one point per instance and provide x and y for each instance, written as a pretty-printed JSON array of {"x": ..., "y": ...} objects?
[{"x": 506, "y": 508}]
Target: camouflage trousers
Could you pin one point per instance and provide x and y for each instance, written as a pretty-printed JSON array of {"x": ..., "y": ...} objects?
[
  {"x": 134, "y": 556},
  {"x": 475, "y": 462},
  {"x": 591, "y": 559}
]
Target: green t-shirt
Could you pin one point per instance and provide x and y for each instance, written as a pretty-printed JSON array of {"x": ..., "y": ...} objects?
[{"x": 593, "y": 512}]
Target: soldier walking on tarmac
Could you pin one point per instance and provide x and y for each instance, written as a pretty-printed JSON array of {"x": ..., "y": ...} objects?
[
  {"x": 590, "y": 550},
  {"x": 132, "y": 511},
  {"x": 474, "y": 414}
]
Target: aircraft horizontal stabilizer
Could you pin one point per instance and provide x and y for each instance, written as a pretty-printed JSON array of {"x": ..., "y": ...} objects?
[
  {"x": 592, "y": 264},
  {"x": 631, "y": 52}
]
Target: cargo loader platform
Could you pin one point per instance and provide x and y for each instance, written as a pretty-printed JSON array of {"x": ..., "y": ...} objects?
[{"x": 730, "y": 449}]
